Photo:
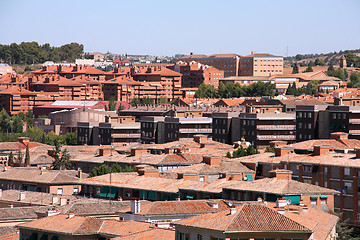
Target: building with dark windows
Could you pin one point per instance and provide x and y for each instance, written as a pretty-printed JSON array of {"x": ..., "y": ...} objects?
[
  {"x": 261, "y": 128},
  {"x": 152, "y": 130},
  {"x": 88, "y": 133},
  {"x": 312, "y": 122},
  {"x": 124, "y": 133},
  {"x": 223, "y": 126}
]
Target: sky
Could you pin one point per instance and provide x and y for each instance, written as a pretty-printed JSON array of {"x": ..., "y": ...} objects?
[{"x": 166, "y": 28}]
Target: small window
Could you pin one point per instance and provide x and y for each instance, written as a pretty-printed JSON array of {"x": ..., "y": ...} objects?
[
  {"x": 347, "y": 171},
  {"x": 59, "y": 191}
]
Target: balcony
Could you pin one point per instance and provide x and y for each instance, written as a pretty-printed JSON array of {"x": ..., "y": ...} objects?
[
  {"x": 276, "y": 137},
  {"x": 354, "y": 121},
  {"x": 354, "y": 132},
  {"x": 195, "y": 130},
  {"x": 276, "y": 127},
  {"x": 125, "y": 135}
]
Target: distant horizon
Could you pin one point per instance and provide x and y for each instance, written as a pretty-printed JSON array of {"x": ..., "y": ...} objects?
[{"x": 164, "y": 28}]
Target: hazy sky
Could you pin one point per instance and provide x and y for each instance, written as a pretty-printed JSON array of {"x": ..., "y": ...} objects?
[{"x": 169, "y": 27}]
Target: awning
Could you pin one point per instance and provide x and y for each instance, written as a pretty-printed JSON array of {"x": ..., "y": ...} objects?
[
  {"x": 323, "y": 197},
  {"x": 313, "y": 197},
  {"x": 104, "y": 191},
  {"x": 190, "y": 196},
  {"x": 113, "y": 193},
  {"x": 293, "y": 199},
  {"x": 249, "y": 177}
]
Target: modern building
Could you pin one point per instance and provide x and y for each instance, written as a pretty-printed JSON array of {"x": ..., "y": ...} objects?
[
  {"x": 261, "y": 64},
  {"x": 223, "y": 127},
  {"x": 261, "y": 128},
  {"x": 312, "y": 122}
]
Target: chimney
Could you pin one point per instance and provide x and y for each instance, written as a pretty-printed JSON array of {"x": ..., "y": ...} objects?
[
  {"x": 105, "y": 151},
  {"x": 80, "y": 175},
  {"x": 200, "y": 138},
  {"x": 281, "y": 202},
  {"x": 22, "y": 196},
  {"x": 52, "y": 212},
  {"x": 339, "y": 135},
  {"x": 63, "y": 201},
  {"x": 281, "y": 211},
  {"x": 211, "y": 160},
  {"x": 135, "y": 206},
  {"x": 282, "y": 151},
  {"x": 253, "y": 52},
  {"x": 24, "y": 140},
  {"x": 357, "y": 151},
  {"x": 55, "y": 200},
  {"x": 305, "y": 209},
  {"x": 71, "y": 214},
  {"x": 232, "y": 210},
  {"x": 321, "y": 150},
  {"x": 282, "y": 174},
  {"x": 138, "y": 151}
]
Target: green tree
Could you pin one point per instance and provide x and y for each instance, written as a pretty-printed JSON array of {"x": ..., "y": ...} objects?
[
  {"x": 11, "y": 159},
  {"x": 135, "y": 102},
  {"x": 112, "y": 104},
  {"x": 120, "y": 108},
  {"x": 70, "y": 138},
  {"x": 19, "y": 159},
  {"x": 295, "y": 68},
  {"x": 163, "y": 100},
  {"x": 27, "y": 156},
  {"x": 98, "y": 171},
  {"x": 61, "y": 158},
  {"x": 309, "y": 69},
  {"x": 351, "y": 59},
  {"x": 319, "y": 62},
  {"x": 17, "y": 125}
]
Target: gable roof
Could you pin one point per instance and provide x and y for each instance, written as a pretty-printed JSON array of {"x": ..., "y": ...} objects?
[
  {"x": 249, "y": 217},
  {"x": 281, "y": 187}
]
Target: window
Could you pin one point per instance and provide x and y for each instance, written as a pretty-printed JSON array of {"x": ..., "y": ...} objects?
[
  {"x": 309, "y": 126},
  {"x": 307, "y": 168},
  {"x": 199, "y": 237},
  {"x": 202, "y": 178},
  {"x": 300, "y": 125},
  {"x": 348, "y": 187},
  {"x": 59, "y": 191},
  {"x": 309, "y": 115},
  {"x": 313, "y": 202},
  {"x": 76, "y": 190},
  {"x": 347, "y": 171},
  {"x": 334, "y": 115}
]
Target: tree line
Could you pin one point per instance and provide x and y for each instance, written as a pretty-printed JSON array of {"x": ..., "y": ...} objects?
[
  {"x": 33, "y": 53},
  {"x": 11, "y": 128},
  {"x": 231, "y": 90}
]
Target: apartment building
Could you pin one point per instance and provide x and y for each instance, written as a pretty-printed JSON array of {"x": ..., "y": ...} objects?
[
  {"x": 157, "y": 82},
  {"x": 261, "y": 128},
  {"x": 187, "y": 128},
  {"x": 121, "y": 88},
  {"x": 229, "y": 63},
  {"x": 119, "y": 133},
  {"x": 223, "y": 127},
  {"x": 312, "y": 122},
  {"x": 195, "y": 73},
  {"x": 152, "y": 130},
  {"x": 15, "y": 100},
  {"x": 260, "y": 64}
]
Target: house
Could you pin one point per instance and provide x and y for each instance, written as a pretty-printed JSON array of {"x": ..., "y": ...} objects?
[
  {"x": 75, "y": 227},
  {"x": 61, "y": 182}
]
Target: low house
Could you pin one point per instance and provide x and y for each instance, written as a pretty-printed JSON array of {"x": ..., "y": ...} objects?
[{"x": 61, "y": 182}]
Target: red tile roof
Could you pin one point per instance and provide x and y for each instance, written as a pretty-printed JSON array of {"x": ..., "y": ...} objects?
[{"x": 249, "y": 217}]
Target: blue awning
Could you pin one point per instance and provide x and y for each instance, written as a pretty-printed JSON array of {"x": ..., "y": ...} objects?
[
  {"x": 249, "y": 177},
  {"x": 313, "y": 197},
  {"x": 323, "y": 197}
]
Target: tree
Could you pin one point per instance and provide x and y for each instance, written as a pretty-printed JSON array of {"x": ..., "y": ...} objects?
[
  {"x": 319, "y": 62},
  {"x": 330, "y": 68},
  {"x": 135, "y": 102},
  {"x": 11, "y": 159},
  {"x": 295, "y": 68},
  {"x": 18, "y": 125},
  {"x": 61, "y": 158},
  {"x": 241, "y": 152},
  {"x": 163, "y": 100},
  {"x": 27, "y": 156},
  {"x": 351, "y": 59},
  {"x": 309, "y": 69},
  {"x": 19, "y": 160},
  {"x": 120, "y": 108},
  {"x": 112, "y": 105}
]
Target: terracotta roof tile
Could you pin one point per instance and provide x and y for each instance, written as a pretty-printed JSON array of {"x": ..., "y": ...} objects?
[{"x": 249, "y": 217}]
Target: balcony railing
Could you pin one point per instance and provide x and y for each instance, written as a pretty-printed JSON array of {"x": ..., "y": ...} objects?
[
  {"x": 276, "y": 137},
  {"x": 276, "y": 127},
  {"x": 354, "y": 132},
  {"x": 195, "y": 130},
  {"x": 126, "y": 135},
  {"x": 355, "y": 120}
]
